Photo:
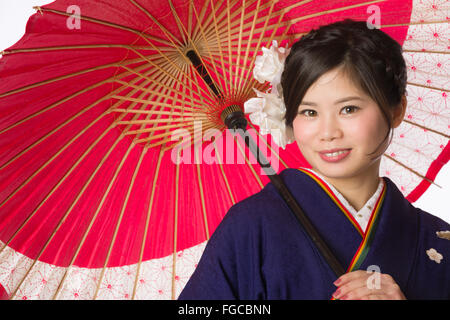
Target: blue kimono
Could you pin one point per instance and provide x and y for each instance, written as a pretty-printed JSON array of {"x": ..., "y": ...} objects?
[{"x": 260, "y": 251}]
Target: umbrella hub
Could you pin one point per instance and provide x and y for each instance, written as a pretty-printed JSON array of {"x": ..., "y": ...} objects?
[{"x": 233, "y": 117}]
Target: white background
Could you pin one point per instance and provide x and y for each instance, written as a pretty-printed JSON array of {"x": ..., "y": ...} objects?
[{"x": 13, "y": 18}]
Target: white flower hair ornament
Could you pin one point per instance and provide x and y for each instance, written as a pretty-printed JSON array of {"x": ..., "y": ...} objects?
[{"x": 267, "y": 110}]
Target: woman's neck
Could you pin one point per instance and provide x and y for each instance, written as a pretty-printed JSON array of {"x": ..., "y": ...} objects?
[{"x": 358, "y": 189}]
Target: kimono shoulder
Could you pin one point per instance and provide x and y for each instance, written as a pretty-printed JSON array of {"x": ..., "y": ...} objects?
[
  {"x": 431, "y": 276},
  {"x": 256, "y": 252}
]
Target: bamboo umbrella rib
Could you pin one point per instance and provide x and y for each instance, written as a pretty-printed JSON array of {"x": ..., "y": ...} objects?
[
  {"x": 202, "y": 197},
  {"x": 168, "y": 113},
  {"x": 227, "y": 84},
  {"x": 427, "y": 129},
  {"x": 425, "y": 51},
  {"x": 111, "y": 79},
  {"x": 447, "y": 118},
  {"x": 429, "y": 157},
  {"x": 175, "y": 232},
  {"x": 63, "y": 77},
  {"x": 178, "y": 23},
  {"x": 113, "y": 180},
  {"x": 163, "y": 70},
  {"x": 94, "y": 218},
  {"x": 155, "y": 176},
  {"x": 76, "y": 47},
  {"x": 200, "y": 19},
  {"x": 141, "y": 34},
  {"x": 158, "y": 128},
  {"x": 244, "y": 91},
  {"x": 411, "y": 170},
  {"x": 98, "y": 208},
  {"x": 184, "y": 32},
  {"x": 230, "y": 61},
  {"x": 38, "y": 142},
  {"x": 51, "y": 192},
  {"x": 235, "y": 22},
  {"x": 236, "y": 75},
  {"x": 247, "y": 51},
  {"x": 248, "y": 87},
  {"x": 150, "y": 121},
  {"x": 122, "y": 211},
  {"x": 147, "y": 102},
  {"x": 414, "y": 23},
  {"x": 173, "y": 78},
  {"x": 164, "y": 86},
  {"x": 427, "y": 87},
  {"x": 190, "y": 16},
  {"x": 318, "y": 14},
  {"x": 180, "y": 52},
  {"x": 275, "y": 13},
  {"x": 208, "y": 47},
  {"x": 60, "y": 222},
  {"x": 168, "y": 34},
  {"x": 189, "y": 130},
  {"x": 221, "y": 18}
]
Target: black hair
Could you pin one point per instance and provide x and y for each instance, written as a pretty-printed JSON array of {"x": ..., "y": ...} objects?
[{"x": 371, "y": 57}]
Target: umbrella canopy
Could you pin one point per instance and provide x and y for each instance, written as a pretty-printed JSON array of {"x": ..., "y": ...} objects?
[{"x": 115, "y": 164}]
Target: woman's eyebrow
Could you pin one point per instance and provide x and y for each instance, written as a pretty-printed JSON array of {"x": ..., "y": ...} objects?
[{"x": 307, "y": 103}]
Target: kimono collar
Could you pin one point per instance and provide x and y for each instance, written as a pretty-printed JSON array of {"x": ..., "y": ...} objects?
[{"x": 361, "y": 217}]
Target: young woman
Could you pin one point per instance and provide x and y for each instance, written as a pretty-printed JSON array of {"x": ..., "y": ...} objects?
[{"x": 344, "y": 88}]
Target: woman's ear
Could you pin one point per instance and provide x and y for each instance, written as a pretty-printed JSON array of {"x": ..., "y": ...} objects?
[{"x": 399, "y": 112}]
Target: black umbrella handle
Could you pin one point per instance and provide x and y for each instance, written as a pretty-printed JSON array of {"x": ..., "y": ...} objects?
[
  {"x": 234, "y": 118},
  {"x": 294, "y": 206}
]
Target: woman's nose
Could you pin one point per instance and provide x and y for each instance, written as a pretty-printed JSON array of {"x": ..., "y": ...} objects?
[{"x": 330, "y": 129}]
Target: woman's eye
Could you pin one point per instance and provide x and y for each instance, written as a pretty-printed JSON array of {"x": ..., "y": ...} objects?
[
  {"x": 308, "y": 112},
  {"x": 349, "y": 109}
]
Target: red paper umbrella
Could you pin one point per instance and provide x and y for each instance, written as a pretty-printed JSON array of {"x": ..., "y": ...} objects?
[{"x": 102, "y": 194}]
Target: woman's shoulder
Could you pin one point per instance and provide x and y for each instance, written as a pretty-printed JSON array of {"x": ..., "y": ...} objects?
[{"x": 266, "y": 203}]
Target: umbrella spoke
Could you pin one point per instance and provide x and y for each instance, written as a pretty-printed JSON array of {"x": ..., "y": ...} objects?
[
  {"x": 413, "y": 23},
  {"x": 411, "y": 170},
  {"x": 163, "y": 70},
  {"x": 147, "y": 223},
  {"x": 191, "y": 45},
  {"x": 427, "y": 129},
  {"x": 250, "y": 82},
  {"x": 102, "y": 201},
  {"x": 122, "y": 211},
  {"x": 427, "y": 87},
  {"x": 80, "y": 113},
  {"x": 414, "y": 150},
  {"x": 167, "y": 33},
  {"x": 106, "y": 156},
  {"x": 65, "y": 175},
  {"x": 141, "y": 34},
  {"x": 321, "y": 13},
  {"x": 426, "y": 51},
  {"x": 247, "y": 52},
  {"x": 155, "y": 176},
  {"x": 208, "y": 45}
]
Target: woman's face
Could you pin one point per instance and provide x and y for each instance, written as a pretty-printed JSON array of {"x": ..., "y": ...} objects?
[{"x": 337, "y": 126}]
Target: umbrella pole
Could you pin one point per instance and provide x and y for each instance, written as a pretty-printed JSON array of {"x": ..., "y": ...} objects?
[{"x": 234, "y": 119}]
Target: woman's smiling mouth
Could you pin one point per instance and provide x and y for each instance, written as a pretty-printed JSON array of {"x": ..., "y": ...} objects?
[{"x": 334, "y": 155}]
